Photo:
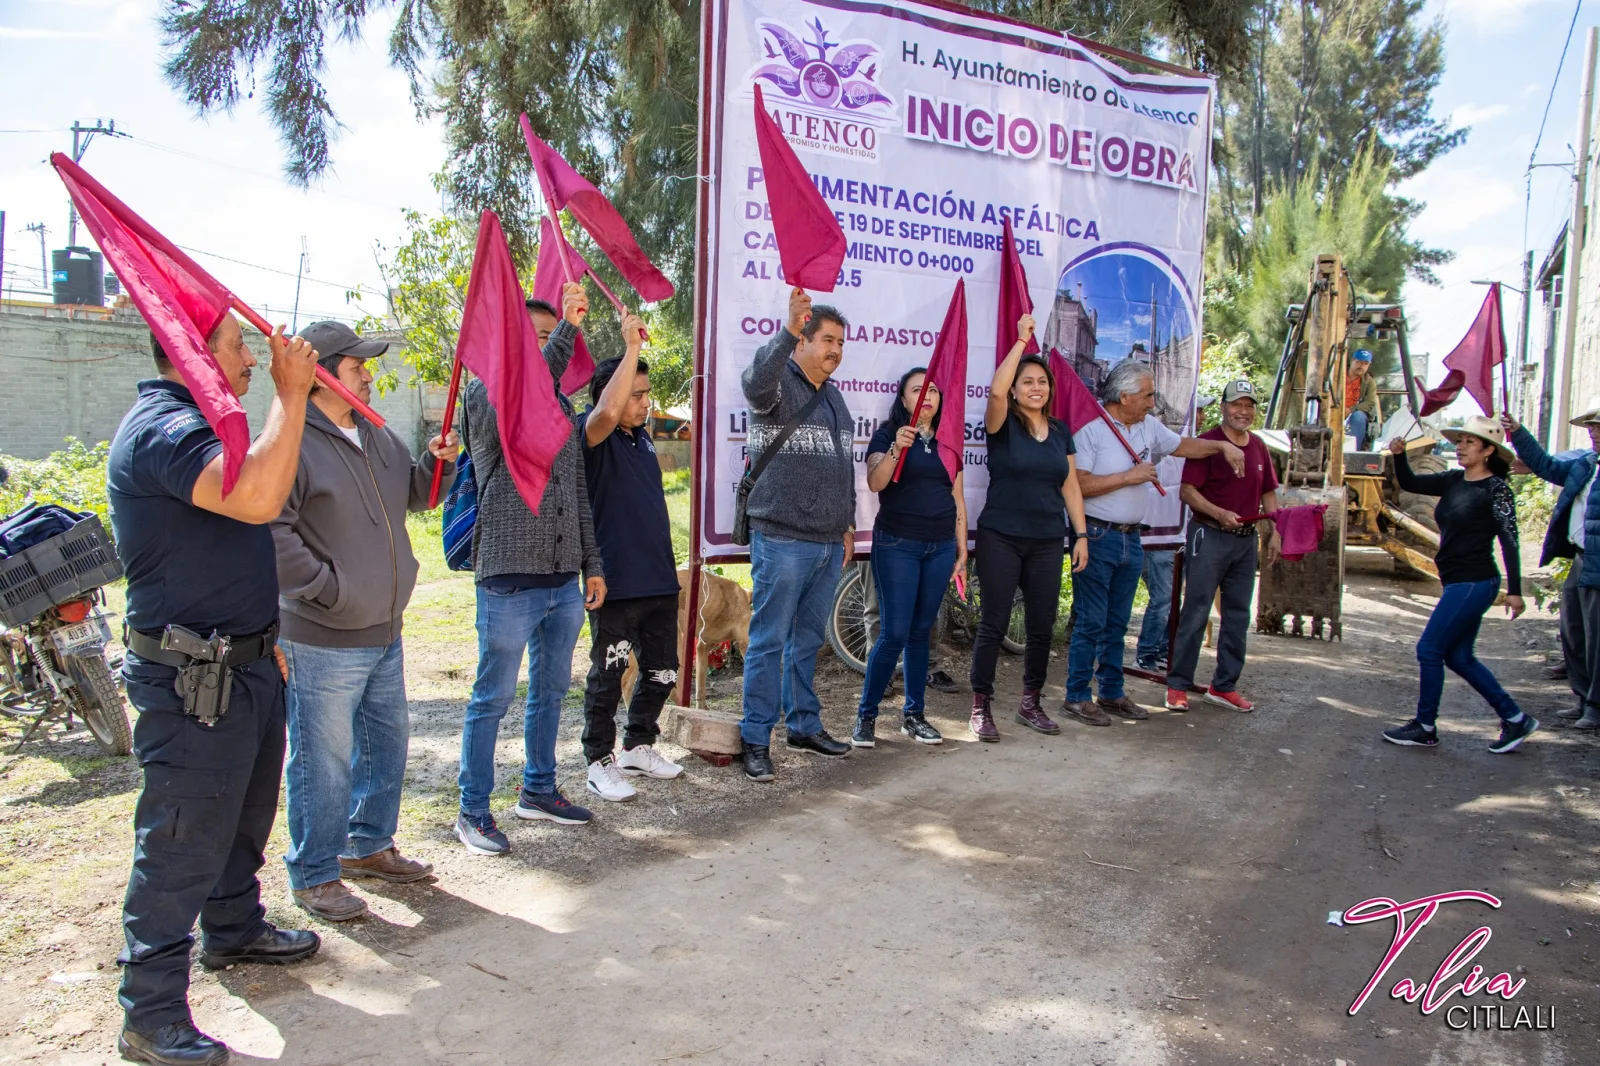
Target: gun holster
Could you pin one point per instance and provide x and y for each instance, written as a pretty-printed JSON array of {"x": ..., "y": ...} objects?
[{"x": 206, "y": 680}]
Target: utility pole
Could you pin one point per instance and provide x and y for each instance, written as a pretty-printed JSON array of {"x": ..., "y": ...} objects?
[
  {"x": 44, "y": 260},
  {"x": 81, "y": 136},
  {"x": 1519, "y": 408},
  {"x": 1562, "y": 401},
  {"x": 305, "y": 264}
]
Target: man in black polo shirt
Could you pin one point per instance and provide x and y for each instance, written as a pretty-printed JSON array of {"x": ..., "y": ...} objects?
[
  {"x": 205, "y": 563},
  {"x": 640, "y": 612}
]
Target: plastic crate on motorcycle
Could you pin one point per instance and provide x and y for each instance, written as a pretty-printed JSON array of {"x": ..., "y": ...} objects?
[{"x": 57, "y": 570}]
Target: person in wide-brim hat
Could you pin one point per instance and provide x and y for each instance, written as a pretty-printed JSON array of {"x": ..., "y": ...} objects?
[
  {"x": 1591, "y": 417},
  {"x": 1488, "y": 430},
  {"x": 1476, "y": 508}
]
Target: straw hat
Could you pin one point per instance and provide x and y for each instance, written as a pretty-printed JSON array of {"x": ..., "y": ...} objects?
[
  {"x": 1485, "y": 429},
  {"x": 1591, "y": 415}
]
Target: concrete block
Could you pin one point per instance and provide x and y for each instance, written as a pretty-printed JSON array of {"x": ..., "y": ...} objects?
[{"x": 706, "y": 733}]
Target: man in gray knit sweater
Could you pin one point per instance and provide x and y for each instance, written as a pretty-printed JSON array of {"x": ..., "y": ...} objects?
[
  {"x": 802, "y": 528},
  {"x": 527, "y": 568}
]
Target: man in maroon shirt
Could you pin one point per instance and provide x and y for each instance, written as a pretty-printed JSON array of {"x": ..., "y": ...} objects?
[{"x": 1221, "y": 551}]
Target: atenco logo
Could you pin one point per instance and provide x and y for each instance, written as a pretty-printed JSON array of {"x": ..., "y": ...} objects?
[{"x": 1440, "y": 988}]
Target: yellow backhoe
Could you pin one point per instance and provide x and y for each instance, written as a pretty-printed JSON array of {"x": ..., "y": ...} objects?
[{"x": 1305, "y": 430}]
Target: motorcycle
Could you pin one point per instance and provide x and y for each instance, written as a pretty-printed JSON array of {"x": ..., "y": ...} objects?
[{"x": 53, "y": 637}]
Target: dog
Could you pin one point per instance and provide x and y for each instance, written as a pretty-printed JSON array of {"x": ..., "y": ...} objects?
[{"x": 724, "y": 615}]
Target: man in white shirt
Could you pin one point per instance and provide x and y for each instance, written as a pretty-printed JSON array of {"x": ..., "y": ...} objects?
[{"x": 1116, "y": 490}]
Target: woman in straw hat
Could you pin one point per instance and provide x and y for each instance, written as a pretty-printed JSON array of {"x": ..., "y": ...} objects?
[{"x": 1475, "y": 509}]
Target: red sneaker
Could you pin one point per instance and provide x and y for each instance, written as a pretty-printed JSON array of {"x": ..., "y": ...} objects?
[
  {"x": 1177, "y": 699},
  {"x": 1230, "y": 699}
]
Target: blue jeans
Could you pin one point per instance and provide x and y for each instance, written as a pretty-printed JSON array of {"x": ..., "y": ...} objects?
[
  {"x": 794, "y": 582},
  {"x": 545, "y": 623},
  {"x": 1447, "y": 640},
  {"x": 1102, "y": 596},
  {"x": 1158, "y": 583},
  {"x": 348, "y": 730},
  {"x": 1357, "y": 425},
  {"x": 911, "y": 576}
]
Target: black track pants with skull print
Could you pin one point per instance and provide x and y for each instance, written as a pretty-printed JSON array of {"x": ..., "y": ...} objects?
[{"x": 647, "y": 629}]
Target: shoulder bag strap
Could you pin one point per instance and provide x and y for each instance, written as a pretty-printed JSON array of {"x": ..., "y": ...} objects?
[{"x": 783, "y": 436}]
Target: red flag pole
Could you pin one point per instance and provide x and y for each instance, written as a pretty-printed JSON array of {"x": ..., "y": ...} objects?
[
  {"x": 916, "y": 419},
  {"x": 326, "y": 379},
  {"x": 1124, "y": 442},
  {"x": 1505, "y": 380},
  {"x": 444, "y": 429}
]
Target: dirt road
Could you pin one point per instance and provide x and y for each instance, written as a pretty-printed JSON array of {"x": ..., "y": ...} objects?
[{"x": 1150, "y": 893}]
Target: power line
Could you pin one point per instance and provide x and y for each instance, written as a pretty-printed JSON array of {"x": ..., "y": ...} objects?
[
  {"x": 275, "y": 270},
  {"x": 1527, "y": 197},
  {"x": 275, "y": 178}
]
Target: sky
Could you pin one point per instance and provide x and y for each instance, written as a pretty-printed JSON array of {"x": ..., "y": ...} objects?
[{"x": 215, "y": 184}]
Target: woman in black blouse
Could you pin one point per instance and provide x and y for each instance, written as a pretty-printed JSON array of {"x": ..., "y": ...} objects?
[
  {"x": 1033, "y": 486},
  {"x": 1475, "y": 509},
  {"x": 919, "y": 543}
]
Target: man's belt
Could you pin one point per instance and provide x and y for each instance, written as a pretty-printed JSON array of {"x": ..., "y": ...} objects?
[
  {"x": 1246, "y": 530},
  {"x": 1120, "y": 527},
  {"x": 167, "y": 647}
]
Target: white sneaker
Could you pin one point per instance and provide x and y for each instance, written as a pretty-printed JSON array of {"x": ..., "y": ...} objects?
[
  {"x": 647, "y": 761},
  {"x": 607, "y": 782}
]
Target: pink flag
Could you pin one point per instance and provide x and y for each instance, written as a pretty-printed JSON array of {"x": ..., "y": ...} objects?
[
  {"x": 1014, "y": 299},
  {"x": 564, "y": 187},
  {"x": 548, "y": 277},
  {"x": 947, "y": 372},
  {"x": 811, "y": 244},
  {"x": 1075, "y": 405},
  {"x": 1472, "y": 362},
  {"x": 499, "y": 344},
  {"x": 181, "y": 303}
]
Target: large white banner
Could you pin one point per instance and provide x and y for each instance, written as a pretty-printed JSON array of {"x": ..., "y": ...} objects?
[{"x": 924, "y": 128}]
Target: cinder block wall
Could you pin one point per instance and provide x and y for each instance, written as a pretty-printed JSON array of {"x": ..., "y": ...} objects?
[{"x": 70, "y": 373}]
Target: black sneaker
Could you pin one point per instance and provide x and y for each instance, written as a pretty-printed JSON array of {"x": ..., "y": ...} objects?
[
  {"x": 1514, "y": 733},
  {"x": 551, "y": 806},
  {"x": 917, "y": 728},
  {"x": 757, "y": 761},
  {"x": 1412, "y": 735},
  {"x": 940, "y": 681},
  {"x": 865, "y": 734},
  {"x": 179, "y": 1042},
  {"x": 818, "y": 743}
]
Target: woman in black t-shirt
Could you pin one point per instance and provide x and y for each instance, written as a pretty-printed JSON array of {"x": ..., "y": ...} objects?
[
  {"x": 919, "y": 542},
  {"x": 1475, "y": 509},
  {"x": 1033, "y": 485}
]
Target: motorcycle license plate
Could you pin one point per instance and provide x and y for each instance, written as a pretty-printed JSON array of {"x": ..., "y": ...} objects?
[{"x": 69, "y": 639}]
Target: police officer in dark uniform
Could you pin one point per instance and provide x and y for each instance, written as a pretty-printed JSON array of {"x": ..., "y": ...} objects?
[{"x": 203, "y": 672}]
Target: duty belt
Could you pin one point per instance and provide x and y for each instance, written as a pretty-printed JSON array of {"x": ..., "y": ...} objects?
[
  {"x": 1120, "y": 527},
  {"x": 240, "y": 650},
  {"x": 205, "y": 664}
]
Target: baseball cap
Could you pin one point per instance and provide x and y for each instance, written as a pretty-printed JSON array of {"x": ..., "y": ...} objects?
[
  {"x": 1239, "y": 390},
  {"x": 335, "y": 338},
  {"x": 1361, "y": 355}
]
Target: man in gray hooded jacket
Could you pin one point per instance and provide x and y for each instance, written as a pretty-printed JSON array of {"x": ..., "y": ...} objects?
[{"x": 345, "y": 574}]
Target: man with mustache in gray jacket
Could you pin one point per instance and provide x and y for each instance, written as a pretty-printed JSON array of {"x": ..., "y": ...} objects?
[{"x": 345, "y": 574}]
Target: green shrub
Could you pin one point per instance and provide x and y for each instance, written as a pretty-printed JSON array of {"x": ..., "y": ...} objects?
[{"x": 74, "y": 477}]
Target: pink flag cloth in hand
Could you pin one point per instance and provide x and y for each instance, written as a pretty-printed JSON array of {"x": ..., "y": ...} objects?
[
  {"x": 947, "y": 372},
  {"x": 1014, "y": 299},
  {"x": 1300, "y": 529},
  {"x": 181, "y": 303},
  {"x": 811, "y": 244},
  {"x": 499, "y": 344},
  {"x": 565, "y": 188},
  {"x": 1472, "y": 362},
  {"x": 548, "y": 278}
]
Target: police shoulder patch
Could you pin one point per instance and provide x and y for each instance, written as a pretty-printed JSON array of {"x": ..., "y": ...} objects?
[{"x": 179, "y": 424}]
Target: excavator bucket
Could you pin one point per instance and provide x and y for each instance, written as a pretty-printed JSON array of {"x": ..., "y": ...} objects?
[{"x": 1306, "y": 592}]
